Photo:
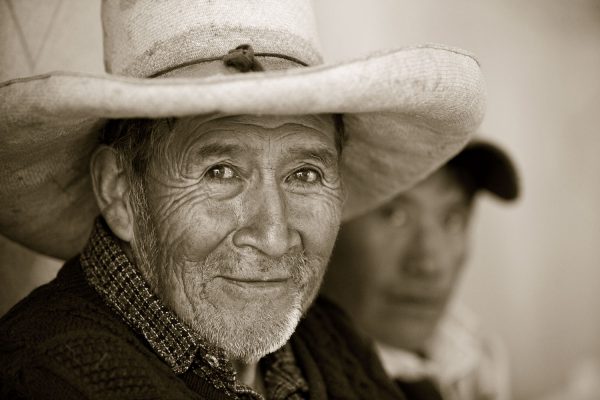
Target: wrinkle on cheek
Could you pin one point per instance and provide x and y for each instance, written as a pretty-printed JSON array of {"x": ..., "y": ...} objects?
[
  {"x": 333, "y": 186},
  {"x": 172, "y": 157},
  {"x": 191, "y": 225},
  {"x": 165, "y": 168},
  {"x": 193, "y": 284},
  {"x": 168, "y": 182},
  {"x": 209, "y": 230},
  {"x": 318, "y": 221},
  {"x": 335, "y": 196},
  {"x": 327, "y": 205},
  {"x": 181, "y": 203},
  {"x": 174, "y": 209}
]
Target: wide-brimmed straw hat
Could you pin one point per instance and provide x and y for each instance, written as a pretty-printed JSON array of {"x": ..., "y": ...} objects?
[{"x": 405, "y": 112}]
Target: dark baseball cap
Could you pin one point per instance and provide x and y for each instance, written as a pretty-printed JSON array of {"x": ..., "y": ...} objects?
[{"x": 489, "y": 168}]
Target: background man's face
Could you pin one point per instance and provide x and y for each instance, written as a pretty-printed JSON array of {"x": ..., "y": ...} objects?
[
  {"x": 239, "y": 220},
  {"x": 394, "y": 269}
]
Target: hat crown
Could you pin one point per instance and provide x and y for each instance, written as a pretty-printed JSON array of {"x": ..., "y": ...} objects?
[{"x": 143, "y": 37}]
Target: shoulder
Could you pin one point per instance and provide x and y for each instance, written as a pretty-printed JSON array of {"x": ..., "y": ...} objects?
[
  {"x": 76, "y": 364},
  {"x": 463, "y": 330},
  {"x": 468, "y": 354},
  {"x": 324, "y": 310},
  {"x": 61, "y": 341},
  {"x": 325, "y": 321},
  {"x": 327, "y": 340},
  {"x": 66, "y": 304}
]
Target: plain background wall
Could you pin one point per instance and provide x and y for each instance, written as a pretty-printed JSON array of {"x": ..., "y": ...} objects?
[
  {"x": 534, "y": 272},
  {"x": 38, "y": 36}
]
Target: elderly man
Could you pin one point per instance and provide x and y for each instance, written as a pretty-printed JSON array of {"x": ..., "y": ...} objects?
[
  {"x": 213, "y": 199},
  {"x": 395, "y": 268}
]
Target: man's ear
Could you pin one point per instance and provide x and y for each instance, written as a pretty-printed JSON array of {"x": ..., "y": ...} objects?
[{"x": 111, "y": 189}]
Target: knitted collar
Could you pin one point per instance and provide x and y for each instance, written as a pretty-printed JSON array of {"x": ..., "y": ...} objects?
[{"x": 121, "y": 285}]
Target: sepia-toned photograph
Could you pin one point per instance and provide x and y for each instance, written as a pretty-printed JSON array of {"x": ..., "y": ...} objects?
[{"x": 300, "y": 199}]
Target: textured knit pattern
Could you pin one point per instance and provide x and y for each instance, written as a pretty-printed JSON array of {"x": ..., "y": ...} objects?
[
  {"x": 121, "y": 286},
  {"x": 342, "y": 349},
  {"x": 62, "y": 341},
  {"x": 282, "y": 377}
]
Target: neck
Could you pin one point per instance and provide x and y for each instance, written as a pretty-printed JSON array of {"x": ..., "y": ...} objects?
[{"x": 249, "y": 375}]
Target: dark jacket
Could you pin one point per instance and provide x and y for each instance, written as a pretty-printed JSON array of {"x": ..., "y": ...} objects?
[{"x": 63, "y": 342}]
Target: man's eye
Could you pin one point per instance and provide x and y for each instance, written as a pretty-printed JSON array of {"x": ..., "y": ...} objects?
[
  {"x": 399, "y": 218},
  {"x": 396, "y": 216},
  {"x": 221, "y": 172},
  {"x": 307, "y": 175},
  {"x": 455, "y": 222}
]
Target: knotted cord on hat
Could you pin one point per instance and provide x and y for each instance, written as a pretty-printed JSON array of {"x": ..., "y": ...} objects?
[{"x": 242, "y": 58}]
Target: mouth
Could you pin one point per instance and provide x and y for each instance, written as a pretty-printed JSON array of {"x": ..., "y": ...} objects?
[
  {"x": 414, "y": 300},
  {"x": 243, "y": 280},
  {"x": 257, "y": 284}
]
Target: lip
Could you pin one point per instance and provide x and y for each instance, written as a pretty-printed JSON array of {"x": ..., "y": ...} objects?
[
  {"x": 244, "y": 290},
  {"x": 256, "y": 283},
  {"x": 255, "y": 279},
  {"x": 414, "y": 299}
]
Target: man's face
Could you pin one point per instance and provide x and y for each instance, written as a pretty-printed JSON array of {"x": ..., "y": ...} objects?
[
  {"x": 236, "y": 223},
  {"x": 394, "y": 269}
]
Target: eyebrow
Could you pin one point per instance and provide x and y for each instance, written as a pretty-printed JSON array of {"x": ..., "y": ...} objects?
[
  {"x": 459, "y": 202},
  {"x": 219, "y": 150},
  {"x": 326, "y": 156}
]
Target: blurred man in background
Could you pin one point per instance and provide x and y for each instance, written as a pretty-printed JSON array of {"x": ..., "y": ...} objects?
[{"x": 395, "y": 269}]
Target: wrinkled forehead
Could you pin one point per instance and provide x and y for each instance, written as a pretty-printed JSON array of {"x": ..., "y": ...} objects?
[{"x": 322, "y": 124}]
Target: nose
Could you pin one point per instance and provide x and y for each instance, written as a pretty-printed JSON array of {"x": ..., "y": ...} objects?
[
  {"x": 425, "y": 258},
  {"x": 265, "y": 225}
]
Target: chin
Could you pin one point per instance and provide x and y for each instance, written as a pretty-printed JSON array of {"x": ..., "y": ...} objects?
[
  {"x": 400, "y": 330},
  {"x": 410, "y": 334},
  {"x": 247, "y": 335},
  {"x": 259, "y": 342}
]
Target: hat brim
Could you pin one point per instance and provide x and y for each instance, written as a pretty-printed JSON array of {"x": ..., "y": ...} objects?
[{"x": 406, "y": 112}]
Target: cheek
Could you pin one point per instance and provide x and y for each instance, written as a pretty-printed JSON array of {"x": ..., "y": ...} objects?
[
  {"x": 384, "y": 245},
  {"x": 453, "y": 258},
  {"x": 317, "y": 220},
  {"x": 457, "y": 248},
  {"x": 368, "y": 251},
  {"x": 190, "y": 225}
]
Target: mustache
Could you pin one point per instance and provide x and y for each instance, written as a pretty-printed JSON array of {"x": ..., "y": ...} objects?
[{"x": 297, "y": 265}]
